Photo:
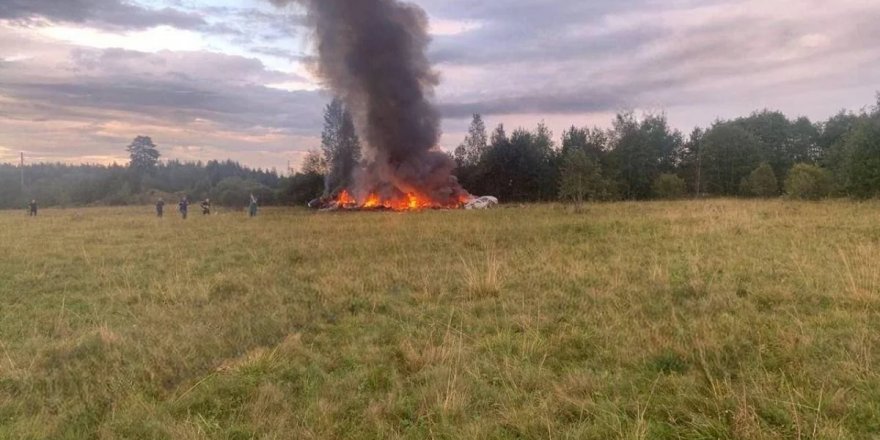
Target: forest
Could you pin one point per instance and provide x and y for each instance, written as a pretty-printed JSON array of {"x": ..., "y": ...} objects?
[{"x": 640, "y": 157}]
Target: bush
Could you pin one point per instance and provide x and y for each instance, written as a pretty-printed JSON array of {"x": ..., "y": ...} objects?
[
  {"x": 669, "y": 186},
  {"x": 807, "y": 182},
  {"x": 761, "y": 182}
]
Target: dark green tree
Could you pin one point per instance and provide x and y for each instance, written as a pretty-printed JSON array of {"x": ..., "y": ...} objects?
[
  {"x": 729, "y": 154},
  {"x": 482, "y": 180},
  {"x": 144, "y": 155},
  {"x": 476, "y": 142},
  {"x": 772, "y": 130},
  {"x": 580, "y": 178},
  {"x": 830, "y": 143},
  {"x": 860, "y": 164},
  {"x": 545, "y": 148},
  {"x": 519, "y": 168},
  {"x": 594, "y": 142},
  {"x": 690, "y": 161},
  {"x": 803, "y": 142},
  {"x": 341, "y": 146},
  {"x": 641, "y": 151},
  {"x": 499, "y": 137}
]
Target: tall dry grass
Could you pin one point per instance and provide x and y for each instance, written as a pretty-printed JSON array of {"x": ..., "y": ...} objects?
[{"x": 695, "y": 320}]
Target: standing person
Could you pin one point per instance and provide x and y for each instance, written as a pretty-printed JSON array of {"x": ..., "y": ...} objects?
[
  {"x": 32, "y": 208},
  {"x": 206, "y": 207},
  {"x": 183, "y": 206},
  {"x": 160, "y": 208},
  {"x": 252, "y": 207}
]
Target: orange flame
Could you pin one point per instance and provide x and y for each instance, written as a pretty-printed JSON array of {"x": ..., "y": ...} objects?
[
  {"x": 345, "y": 199},
  {"x": 409, "y": 202},
  {"x": 372, "y": 202}
]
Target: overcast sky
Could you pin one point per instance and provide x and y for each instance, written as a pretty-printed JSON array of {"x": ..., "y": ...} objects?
[{"x": 217, "y": 79}]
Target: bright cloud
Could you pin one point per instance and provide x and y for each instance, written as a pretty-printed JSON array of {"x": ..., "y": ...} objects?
[
  {"x": 149, "y": 40},
  {"x": 232, "y": 79}
]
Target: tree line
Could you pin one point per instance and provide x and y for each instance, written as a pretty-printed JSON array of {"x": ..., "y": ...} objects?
[
  {"x": 142, "y": 181},
  {"x": 765, "y": 154}
]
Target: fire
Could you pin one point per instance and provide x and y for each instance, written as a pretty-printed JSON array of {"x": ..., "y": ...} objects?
[
  {"x": 345, "y": 199},
  {"x": 406, "y": 202},
  {"x": 373, "y": 201}
]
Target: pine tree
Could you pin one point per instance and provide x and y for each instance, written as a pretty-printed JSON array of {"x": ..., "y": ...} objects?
[
  {"x": 341, "y": 146},
  {"x": 143, "y": 153},
  {"x": 475, "y": 144},
  {"x": 144, "y": 158}
]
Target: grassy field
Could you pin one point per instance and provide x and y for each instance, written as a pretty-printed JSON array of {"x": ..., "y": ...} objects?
[{"x": 687, "y": 320}]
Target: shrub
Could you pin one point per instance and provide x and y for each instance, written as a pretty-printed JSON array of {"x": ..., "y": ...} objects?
[
  {"x": 761, "y": 182},
  {"x": 669, "y": 186},
  {"x": 807, "y": 182}
]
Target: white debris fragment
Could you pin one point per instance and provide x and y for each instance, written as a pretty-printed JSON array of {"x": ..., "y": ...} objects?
[{"x": 484, "y": 202}]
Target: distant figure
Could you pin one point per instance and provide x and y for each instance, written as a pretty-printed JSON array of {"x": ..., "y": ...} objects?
[
  {"x": 252, "y": 207},
  {"x": 32, "y": 208},
  {"x": 206, "y": 207},
  {"x": 183, "y": 206},
  {"x": 160, "y": 208}
]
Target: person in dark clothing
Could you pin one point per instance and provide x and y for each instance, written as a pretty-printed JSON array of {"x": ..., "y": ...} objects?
[
  {"x": 183, "y": 206},
  {"x": 32, "y": 208},
  {"x": 252, "y": 207},
  {"x": 206, "y": 207},
  {"x": 160, "y": 208}
]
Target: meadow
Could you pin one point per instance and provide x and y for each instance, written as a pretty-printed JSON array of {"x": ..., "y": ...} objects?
[{"x": 714, "y": 319}]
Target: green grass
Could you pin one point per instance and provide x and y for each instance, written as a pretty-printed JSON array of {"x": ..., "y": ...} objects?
[{"x": 686, "y": 320}]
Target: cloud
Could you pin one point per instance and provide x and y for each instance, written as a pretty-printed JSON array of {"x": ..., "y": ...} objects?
[
  {"x": 115, "y": 14},
  {"x": 559, "y": 56},
  {"x": 175, "y": 86},
  {"x": 566, "y": 61},
  {"x": 64, "y": 102}
]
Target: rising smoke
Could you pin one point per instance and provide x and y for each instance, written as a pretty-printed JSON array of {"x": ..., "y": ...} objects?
[{"x": 372, "y": 53}]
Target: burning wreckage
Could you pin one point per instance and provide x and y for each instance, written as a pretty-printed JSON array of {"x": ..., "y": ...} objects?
[
  {"x": 410, "y": 202},
  {"x": 372, "y": 55}
]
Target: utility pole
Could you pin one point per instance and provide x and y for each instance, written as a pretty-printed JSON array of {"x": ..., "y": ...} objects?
[{"x": 22, "y": 173}]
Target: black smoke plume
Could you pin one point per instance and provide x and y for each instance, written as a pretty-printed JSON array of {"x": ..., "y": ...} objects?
[{"x": 372, "y": 53}]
